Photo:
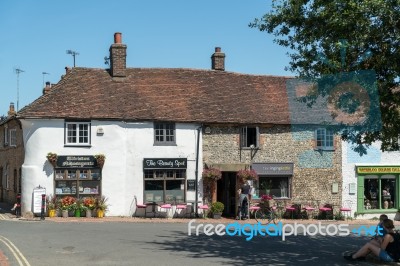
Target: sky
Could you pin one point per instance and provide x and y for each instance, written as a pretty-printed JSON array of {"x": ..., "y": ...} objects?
[{"x": 35, "y": 35}]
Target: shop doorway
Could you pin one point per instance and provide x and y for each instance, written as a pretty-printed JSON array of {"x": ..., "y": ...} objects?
[{"x": 226, "y": 193}]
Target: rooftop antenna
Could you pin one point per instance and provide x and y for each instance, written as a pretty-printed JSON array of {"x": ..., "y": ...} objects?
[
  {"x": 73, "y": 53},
  {"x": 18, "y": 71},
  {"x": 44, "y": 73}
]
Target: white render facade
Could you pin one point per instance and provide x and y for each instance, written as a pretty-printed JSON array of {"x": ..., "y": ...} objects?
[
  {"x": 373, "y": 160},
  {"x": 125, "y": 145}
]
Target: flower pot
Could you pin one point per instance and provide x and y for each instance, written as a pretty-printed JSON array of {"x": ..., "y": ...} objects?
[
  {"x": 77, "y": 213},
  {"x": 65, "y": 213},
  {"x": 100, "y": 213},
  {"x": 52, "y": 213},
  {"x": 217, "y": 215},
  {"x": 88, "y": 213}
]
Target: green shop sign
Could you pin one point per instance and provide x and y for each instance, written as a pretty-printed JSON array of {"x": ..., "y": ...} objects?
[{"x": 378, "y": 169}]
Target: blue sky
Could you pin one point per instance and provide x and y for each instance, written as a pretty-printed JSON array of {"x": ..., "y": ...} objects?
[{"x": 177, "y": 33}]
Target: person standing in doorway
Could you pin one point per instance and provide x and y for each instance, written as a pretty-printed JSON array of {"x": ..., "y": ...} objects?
[{"x": 244, "y": 200}]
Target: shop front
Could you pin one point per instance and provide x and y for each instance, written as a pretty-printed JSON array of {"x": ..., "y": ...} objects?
[
  {"x": 77, "y": 176},
  {"x": 164, "y": 180},
  {"x": 378, "y": 188},
  {"x": 275, "y": 179}
]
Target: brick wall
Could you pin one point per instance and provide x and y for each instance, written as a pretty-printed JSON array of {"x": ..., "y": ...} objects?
[
  {"x": 118, "y": 60},
  {"x": 13, "y": 157},
  {"x": 314, "y": 171}
]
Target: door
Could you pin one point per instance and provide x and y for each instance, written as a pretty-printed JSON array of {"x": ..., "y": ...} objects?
[{"x": 226, "y": 194}]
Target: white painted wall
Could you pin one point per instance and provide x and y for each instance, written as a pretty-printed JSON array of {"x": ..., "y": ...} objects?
[
  {"x": 351, "y": 159},
  {"x": 124, "y": 144}
]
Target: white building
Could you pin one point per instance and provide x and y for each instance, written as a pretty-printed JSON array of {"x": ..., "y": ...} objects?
[{"x": 371, "y": 182}]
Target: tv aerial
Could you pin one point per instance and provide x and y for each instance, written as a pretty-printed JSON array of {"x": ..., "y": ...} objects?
[
  {"x": 73, "y": 53},
  {"x": 18, "y": 71}
]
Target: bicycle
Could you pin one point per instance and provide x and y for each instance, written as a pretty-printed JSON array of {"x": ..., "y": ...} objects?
[{"x": 266, "y": 215}]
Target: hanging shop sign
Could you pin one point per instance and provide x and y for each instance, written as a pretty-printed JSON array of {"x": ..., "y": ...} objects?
[
  {"x": 157, "y": 163},
  {"x": 273, "y": 169},
  {"x": 77, "y": 161},
  {"x": 378, "y": 169}
]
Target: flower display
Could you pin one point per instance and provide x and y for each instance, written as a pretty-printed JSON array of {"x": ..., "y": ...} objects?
[
  {"x": 211, "y": 174},
  {"x": 266, "y": 197},
  {"x": 67, "y": 203},
  {"x": 89, "y": 203},
  {"x": 100, "y": 158},
  {"x": 51, "y": 202},
  {"x": 247, "y": 174},
  {"x": 52, "y": 157}
]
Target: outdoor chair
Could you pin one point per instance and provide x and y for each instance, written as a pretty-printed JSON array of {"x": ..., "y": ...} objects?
[
  {"x": 346, "y": 208},
  {"x": 140, "y": 206}
]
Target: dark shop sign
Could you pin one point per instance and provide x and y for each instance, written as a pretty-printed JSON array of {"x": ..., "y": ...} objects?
[
  {"x": 76, "y": 161},
  {"x": 171, "y": 163},
  {"x": 277, "y": 169}
]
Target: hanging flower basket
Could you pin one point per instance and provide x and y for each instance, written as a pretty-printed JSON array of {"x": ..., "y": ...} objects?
[
  {"x": 100, "y": 158},
  {"x": 52, "y": 158},
  {"x": 247, "y": 175},
  {"x": 211, "y": 175}
]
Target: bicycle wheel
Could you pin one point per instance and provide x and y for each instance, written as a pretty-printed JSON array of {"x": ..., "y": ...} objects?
[{"x": 264, "y": 216}]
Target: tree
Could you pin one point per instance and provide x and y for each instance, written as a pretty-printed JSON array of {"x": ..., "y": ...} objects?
[{"x": 313, "y": 31}]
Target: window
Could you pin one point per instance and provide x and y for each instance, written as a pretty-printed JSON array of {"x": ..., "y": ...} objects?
[
  {"x": 13, "y": 137},
  {"x": 77, "y": 133},
  {"x": 6, "y": 136},
  {"x": 164, "y": 133},
  {"x": 380, "y": 192},
  {"x": 15, "y": 180},
  {"x": 277, "y": 187},
  {"x": 77, "y": 182},
  {"x": 249, "y": 137},
  {"x": 164, "y": 185},
  {"x": 6, "y": 178},
  {"x": 324, "y": 139}
]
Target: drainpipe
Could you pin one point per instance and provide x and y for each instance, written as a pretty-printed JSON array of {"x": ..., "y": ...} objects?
[{"x": 197, "y": 173}]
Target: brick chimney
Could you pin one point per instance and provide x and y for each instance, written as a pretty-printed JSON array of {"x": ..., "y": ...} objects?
[
  {"x": 11, "y": 112},
  {"x": 218, "y": 60},
  {"x": 47, "y": 88},
  {"x": 118, "y": 57}
]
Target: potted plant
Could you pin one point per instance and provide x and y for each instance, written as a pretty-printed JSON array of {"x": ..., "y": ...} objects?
[
  {"x": 90, "y": 204},
  {"x": 51, "y": 205},
  {"x": 100, "y": 159},
  {"x": 216, "y": 209},
  {"x": 66, "y": 204},
  {"x": 101, "y": 206},
  {"x": 52, "y": 158},
  {"x": 78, "y": 207}
]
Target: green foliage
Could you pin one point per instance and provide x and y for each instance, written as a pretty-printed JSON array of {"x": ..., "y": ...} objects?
[
  {"x": 217, "y": 207},
  {"x": 314, "y": 31}
]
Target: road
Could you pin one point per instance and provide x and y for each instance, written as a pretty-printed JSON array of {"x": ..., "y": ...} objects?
[{"x": 122, "y": 243}]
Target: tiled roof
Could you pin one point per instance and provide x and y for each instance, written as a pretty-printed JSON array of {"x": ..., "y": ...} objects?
[{"x": 179, "y": 95}]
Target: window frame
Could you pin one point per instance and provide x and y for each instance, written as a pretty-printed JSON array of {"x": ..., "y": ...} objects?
[
  {"x": 164, "y": 134},
  {"x": 155, "y": 175},
  {"x": 325, "y": 134},
  {"x": 244, "y": 137},
  {"x": 77, "y": 134},
  {"x": 13, "y": 137},
  {"x": 5, "y": 135}
]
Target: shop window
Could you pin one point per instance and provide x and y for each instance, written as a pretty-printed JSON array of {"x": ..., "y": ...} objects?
[
  {"x": 13, "y": 137},
  {"x": 77, "y": 182},
  {"x": 164, "y": 134},
  {"x": 324, "y": 139},
  {"x": 77, "y": 133},
  {"x": 249, "y": 137},
  {"x": 164, "y": 186},
  {"x": 379, "y": 192},
  {"x": 277, "y": 187}
]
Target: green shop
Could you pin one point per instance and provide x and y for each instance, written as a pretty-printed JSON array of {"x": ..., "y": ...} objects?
[{"x": 378, "y": 189}]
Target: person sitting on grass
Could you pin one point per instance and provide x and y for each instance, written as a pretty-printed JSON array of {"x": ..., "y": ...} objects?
[{"x": 387, "y": 250}]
